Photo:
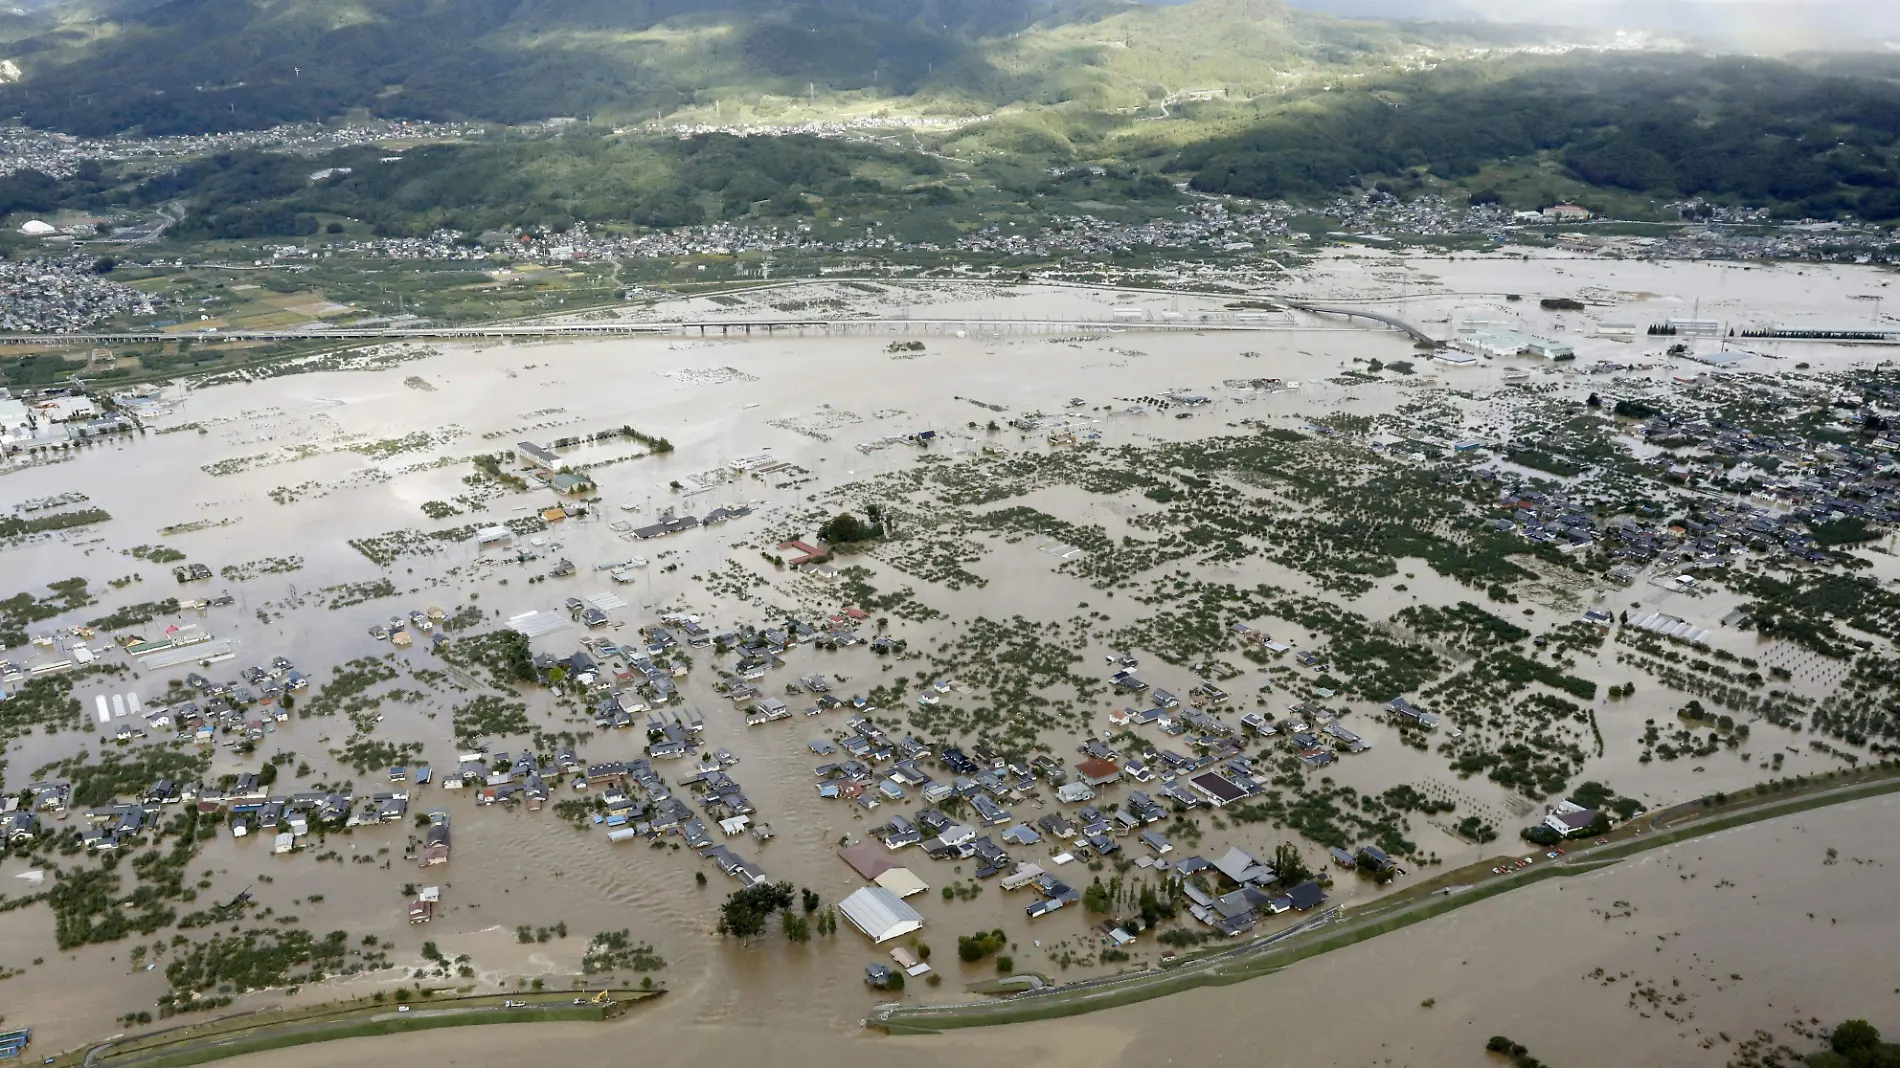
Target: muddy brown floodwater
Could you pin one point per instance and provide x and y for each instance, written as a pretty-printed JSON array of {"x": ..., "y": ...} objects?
[
  {"x": 1671, "y": 960},
  {"x": 298, "y": 466}
]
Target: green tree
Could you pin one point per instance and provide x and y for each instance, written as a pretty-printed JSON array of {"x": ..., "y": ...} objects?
[
  {"x": 1151, "y": 909},
  {"x": 797, "y": 928},
  {"x": 1856, "y": 1040},
  {"x": 744, "y": 913},
  {"x": 845, "y": 528},
  {"x": 1289, "y": 866}
]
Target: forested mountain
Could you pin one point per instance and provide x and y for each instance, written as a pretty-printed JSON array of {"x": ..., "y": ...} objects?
[
  {"x": 198, "y": 65},
  {"x": 195, "y": 65},
  {"x": 1745, "y": 130}
]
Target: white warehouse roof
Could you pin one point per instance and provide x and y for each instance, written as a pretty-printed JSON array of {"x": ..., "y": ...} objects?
[
  {"x": 901, "y": 881},
  {"x": 880, "y": 914}
]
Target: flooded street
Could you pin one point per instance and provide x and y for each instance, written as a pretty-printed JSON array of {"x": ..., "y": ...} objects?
[{"x": 278, "y": 478}]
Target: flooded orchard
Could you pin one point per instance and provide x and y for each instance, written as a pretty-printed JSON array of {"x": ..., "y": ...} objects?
[{"x": 1046, "y": 517}]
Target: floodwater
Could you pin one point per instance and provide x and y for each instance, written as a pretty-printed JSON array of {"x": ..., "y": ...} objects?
[
  {"x": 1673, "y": 960},
  {"x": 807, "y": 401}
]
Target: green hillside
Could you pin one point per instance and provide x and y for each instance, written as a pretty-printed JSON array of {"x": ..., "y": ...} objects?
[
  {"x": 552, "y": 182},
  {"x": 194, "y": 65},
  {"x": 1738, "y": 130},
  {"x": 199, "y": 65}
]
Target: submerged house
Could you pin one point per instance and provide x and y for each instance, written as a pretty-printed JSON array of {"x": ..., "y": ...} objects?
[{"x": 435, "y": 841}]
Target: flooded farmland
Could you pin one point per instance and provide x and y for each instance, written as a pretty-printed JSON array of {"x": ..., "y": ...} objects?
[{"x": 315, "y": 499}]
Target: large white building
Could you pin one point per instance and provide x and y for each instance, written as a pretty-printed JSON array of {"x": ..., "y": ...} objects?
[
  {"x": 1495, "y": 342},
  {"x": 1696, "y": 327},
  {"x": 880, "y": 914},
  {"x": 13, "y": 414}
]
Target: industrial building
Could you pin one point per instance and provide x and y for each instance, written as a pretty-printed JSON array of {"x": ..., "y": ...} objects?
[
  {"x": 880, "y": 914},
  {"x": 1495, "y": 342},
  {"x": 1696, "y": 327},
  {"x": 545, "y": 459}
]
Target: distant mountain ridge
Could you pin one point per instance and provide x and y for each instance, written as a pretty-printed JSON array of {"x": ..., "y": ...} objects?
[{"x": 184, "y": 66}]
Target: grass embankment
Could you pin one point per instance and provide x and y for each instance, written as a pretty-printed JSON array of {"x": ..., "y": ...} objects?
[
  {"x": 269, "y": 1041},
  {"x": 1415, "y": 904},
  {"x": 270, "y": 1029}
]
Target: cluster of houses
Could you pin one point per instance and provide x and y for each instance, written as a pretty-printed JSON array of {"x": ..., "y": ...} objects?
[
  {"x": 1712, "y": 533},
  {"x": 1545, "y": 519},
  {"x": 623, "y": 680},
  {"x": 1316, "y": 733},
  {"x": 1709, "y": 535},
  {"x": 544, "y": 465},
  {"x": 248, "y": 708},
  {"x": 1812, "y": 482},
  {"x": 396, "y": 629},
  {"x": 244, "y": 800},
  {"x": 631, "y": 799},
  {"x": 1251, "y": 890},
  {"x": 969, "y": 815},
  {"x": 964, "y": 809},
  {"x": 626, "y": 681},
  {"x": 674, "y": 524},
  {"x": 987, "y": 833}
]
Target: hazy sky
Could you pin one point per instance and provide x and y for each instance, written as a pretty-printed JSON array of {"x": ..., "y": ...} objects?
[{"x": 1749, "y": 25}]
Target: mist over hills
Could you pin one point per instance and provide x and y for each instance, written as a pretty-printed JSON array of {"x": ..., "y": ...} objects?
[{"x": 1771, "y": 26}]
